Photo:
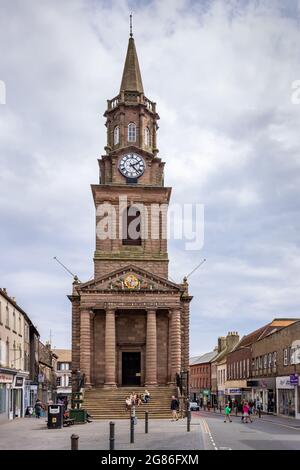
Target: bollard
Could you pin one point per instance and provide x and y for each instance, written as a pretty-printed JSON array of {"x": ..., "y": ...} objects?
[
  {"x": 188, "y": 423},
  {"x": 259, "y": 412},
  {"x": 220, "y": 408},
  {"x": 74, "y": 442},
  {"x": 146, "y": 422},
  {"x": 111, "y": 435},
  {"x": 132, "y": 418}
]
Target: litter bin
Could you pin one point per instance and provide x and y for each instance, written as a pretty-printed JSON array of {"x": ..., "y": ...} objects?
[
  {"x": 79, "y": 416},
  {"x": 55, "y": 416}
]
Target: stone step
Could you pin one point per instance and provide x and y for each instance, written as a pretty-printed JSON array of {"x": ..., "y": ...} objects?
[{"x": 104, "y": 403}]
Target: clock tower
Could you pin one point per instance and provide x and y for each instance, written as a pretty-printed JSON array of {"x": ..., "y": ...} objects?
[
  {"x": 132, "y": 171},
  {"x": 130, "y": 324}
]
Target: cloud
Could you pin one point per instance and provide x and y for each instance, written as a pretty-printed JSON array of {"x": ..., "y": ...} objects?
[{"x": 221, "y": 74}]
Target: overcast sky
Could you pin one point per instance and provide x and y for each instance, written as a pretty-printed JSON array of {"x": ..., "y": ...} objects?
[{"x": 221, "y": 74}]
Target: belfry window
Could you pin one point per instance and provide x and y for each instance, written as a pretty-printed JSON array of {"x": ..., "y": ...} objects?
[
  {"x": 131, "y": 132},
  {"x": 147, "y": 137},
  {"x": 116, "y": 135},
  {"x": 131, "y": 227}
]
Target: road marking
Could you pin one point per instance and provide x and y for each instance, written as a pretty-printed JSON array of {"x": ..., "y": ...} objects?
[
  {"x": 279, "y": 424},
  {"x": 208, "y": 432}
]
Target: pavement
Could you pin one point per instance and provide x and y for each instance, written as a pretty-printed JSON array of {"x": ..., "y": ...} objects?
[
  {"x": 208, "y": 432},
  {"x": 32, "y": 433}
]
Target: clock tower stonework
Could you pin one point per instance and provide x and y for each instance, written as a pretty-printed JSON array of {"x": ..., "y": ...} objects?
[{"x": 130, "y": 324}]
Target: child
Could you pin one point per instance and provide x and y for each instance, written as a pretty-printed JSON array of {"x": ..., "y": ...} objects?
[{"x": 227, "y": 413}]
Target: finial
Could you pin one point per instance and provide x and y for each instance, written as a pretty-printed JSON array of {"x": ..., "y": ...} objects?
[{"x": 131, "y": 35}]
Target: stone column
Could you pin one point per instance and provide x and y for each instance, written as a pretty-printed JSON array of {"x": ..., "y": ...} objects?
[
  {"x": 85, "y": 345},
  {"x": 151, "y": 349},
  {"x": 110, "y": 349},
  {"x": 175, "y": 344}
]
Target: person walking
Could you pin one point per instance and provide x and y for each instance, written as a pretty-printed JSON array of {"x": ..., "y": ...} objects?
[
  {"x": 128, "y": 403},
  {"x": 146, "y": 396},
  {"x": 174, "y": 408},
  {"x": 227, "y": 413},
  {"x": 38, "y": 408},
  {"x": 246, "y": 414}
]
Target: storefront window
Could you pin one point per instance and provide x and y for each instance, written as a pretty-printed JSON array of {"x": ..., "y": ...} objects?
[
  {"x": 287, "y": 402},
  {"x": 2, "y": 398}
]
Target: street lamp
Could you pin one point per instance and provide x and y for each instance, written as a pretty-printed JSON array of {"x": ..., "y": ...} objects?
[{"x": 295, "y": 359}]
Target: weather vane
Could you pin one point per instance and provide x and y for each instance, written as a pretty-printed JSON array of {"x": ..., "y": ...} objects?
[{"x": 131, "y": 35}]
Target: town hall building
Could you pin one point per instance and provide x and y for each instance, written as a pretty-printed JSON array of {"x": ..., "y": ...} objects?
[{"x": 130, "y": 324}]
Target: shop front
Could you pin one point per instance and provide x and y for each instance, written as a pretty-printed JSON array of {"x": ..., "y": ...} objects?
[
  {"x": 237, "y": 391},
  {"x": 287, "y": 392},
  {"x": 264, "y": 393},
  {"x": 6, "y": 387}
]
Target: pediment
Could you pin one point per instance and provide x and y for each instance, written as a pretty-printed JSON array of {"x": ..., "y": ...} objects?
[{"x": 128, "y": 279}]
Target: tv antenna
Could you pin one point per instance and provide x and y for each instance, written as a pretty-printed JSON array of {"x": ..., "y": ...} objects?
[{"x": 75, "y": 277}]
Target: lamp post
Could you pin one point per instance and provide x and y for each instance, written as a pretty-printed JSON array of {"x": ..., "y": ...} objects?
[{"x": 295, "y": 359}]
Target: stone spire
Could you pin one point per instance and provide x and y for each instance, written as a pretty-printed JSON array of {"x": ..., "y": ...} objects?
[{"x": 132, "y": 79}]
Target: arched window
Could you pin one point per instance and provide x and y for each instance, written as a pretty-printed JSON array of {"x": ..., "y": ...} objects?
[
  {"x": 116, "y": 135},
  {"x": 147, "y": 137},
  {"x": 131, "y": 132},
  {"x": 132, "y": 226}
]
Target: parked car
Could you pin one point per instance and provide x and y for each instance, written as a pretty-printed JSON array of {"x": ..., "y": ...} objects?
[{"x": 194, "y": 406}]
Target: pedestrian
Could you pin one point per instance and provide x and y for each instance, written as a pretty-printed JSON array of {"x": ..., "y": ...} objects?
[
  {"x": 174, "y": 408},
  {"x": 146, "y": 396},
  {"x": 246, "y": 414},
  {"x": 38, "y": 408},
  {"x": 227, "y": 412},
  {"x": 128, "y": 402}
]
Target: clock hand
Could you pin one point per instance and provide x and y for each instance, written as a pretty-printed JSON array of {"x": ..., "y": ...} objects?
[{"x": 133, "y": 165}]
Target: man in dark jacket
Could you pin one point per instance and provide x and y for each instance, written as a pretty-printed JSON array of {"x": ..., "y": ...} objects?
[
  {"x": 174, "y": 408},
  {"x": 38, "y": 408}
]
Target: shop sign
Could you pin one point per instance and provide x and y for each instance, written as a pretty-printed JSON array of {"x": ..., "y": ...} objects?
[
  {"x": 294, "y": 380},
  {"x": 6, "y": 378},
  {"x": 283, "y": 383},
  {"x": 19, "y": 381},
  {"x": 41, "y": 378},
  {"x": 233, "y": 391}
]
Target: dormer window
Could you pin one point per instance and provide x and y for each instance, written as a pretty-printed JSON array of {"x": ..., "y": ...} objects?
[
  {"x": 131, "y": 132},
  {"x": 116, "y": 135},
  {"x": 147, "y": 137}
]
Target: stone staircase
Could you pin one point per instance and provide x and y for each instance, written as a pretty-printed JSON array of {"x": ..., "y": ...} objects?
[{"x": 104, "y": 403}]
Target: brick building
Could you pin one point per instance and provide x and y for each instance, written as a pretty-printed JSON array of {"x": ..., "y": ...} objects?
[
  {"x": 200, "y": 376},
  {"x": 18, "y": 358},
  {"x": 130, "y": 324},
  {"x": 46, "y": 373},
  {"x": 218, "y": 366},
  {"x": 239, "y": 384},
  {"x": 63, "y": 373},
  {"x": 274, "y": 360}
]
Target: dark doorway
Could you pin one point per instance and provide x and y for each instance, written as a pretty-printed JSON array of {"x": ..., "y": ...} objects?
[{"x": 131, "y": 368}]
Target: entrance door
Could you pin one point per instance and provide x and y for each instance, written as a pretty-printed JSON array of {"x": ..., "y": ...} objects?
[{"x": 131, "y": 368}]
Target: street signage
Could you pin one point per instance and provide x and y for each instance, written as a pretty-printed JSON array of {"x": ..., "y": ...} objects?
[
  {"x": 294, "y": 379},
  {"x": 19, "y": 382},
  {"x": 233, "y": 391},
  {"x": 6, "y": 378}
]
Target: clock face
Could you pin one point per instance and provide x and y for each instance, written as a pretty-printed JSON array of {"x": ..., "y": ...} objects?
[{"x": 132, "y": 165}]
